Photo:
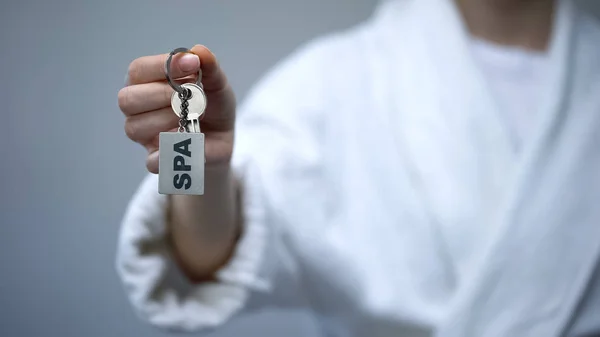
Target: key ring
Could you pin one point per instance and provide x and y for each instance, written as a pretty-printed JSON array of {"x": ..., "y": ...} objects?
[{"x": 183, "y": 93}]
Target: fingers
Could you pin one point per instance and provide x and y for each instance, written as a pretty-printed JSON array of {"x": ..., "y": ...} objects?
[
  {"x": 144, "y": 97},
  {"x": 152, "y": 158},
  {"x": 140, "y": 98},
  {"x": 152, "y": 161},
  {"x": 143, "y": 128},
  {"x": 152, "y": 68}
]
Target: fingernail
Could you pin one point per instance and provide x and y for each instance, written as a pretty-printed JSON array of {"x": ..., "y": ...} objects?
[{"x": 189, "y": 62}]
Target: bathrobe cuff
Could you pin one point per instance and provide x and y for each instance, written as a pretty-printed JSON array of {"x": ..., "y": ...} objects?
[{"x": 155, "y": 286}]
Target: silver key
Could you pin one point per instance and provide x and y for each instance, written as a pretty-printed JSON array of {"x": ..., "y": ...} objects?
[
  {"x": 181, "y": 154},
  {"x": 196, "y": 108}
]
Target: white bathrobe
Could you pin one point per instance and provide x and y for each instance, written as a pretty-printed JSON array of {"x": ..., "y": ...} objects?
[{"x": 384, "y": 193}]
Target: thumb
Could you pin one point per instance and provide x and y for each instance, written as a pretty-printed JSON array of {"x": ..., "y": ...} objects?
[
  {"x": 213, "y": 77},
  {"x": 183, "y": 65},
  {"x": 188, "y": 64}
]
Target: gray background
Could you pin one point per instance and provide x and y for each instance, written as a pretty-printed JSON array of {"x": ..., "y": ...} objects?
[{"x": 67, "y": 169}]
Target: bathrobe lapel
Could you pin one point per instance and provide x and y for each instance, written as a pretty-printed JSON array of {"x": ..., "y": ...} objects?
[{"x": 516, "y": 230}]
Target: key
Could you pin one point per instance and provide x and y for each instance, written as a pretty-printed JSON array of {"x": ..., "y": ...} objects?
[
  {"x": 196, "y": 108},
  {"x": 181, "y": 154}
]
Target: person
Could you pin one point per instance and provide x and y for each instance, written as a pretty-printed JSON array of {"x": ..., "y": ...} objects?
[{"x": 432, "y": 171}]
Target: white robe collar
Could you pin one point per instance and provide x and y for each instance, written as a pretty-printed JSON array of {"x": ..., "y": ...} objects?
[{"x": 518, "y": 233}]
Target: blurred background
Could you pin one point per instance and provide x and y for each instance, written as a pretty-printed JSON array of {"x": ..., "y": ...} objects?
[{"x": 67, "y": 168}]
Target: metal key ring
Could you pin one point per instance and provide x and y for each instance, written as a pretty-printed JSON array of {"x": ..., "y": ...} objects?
[{"x": 181, "y": 91}]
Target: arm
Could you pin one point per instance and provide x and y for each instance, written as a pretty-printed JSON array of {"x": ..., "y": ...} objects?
[
  {"x": 204, "y": 229},
  {"x": 231, "y": 247}
]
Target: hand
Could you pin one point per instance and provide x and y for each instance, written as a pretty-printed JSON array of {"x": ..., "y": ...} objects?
[{"x": 146, "y": 103}]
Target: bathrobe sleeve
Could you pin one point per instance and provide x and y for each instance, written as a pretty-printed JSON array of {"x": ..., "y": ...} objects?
[{"x": 276, "y": 140}]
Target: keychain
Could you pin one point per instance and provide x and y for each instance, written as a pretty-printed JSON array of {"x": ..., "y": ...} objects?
[{"x": 181, "y": 154}]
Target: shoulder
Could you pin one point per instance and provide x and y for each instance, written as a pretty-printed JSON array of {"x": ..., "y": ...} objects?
[{"x": 315, "y": 66}]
